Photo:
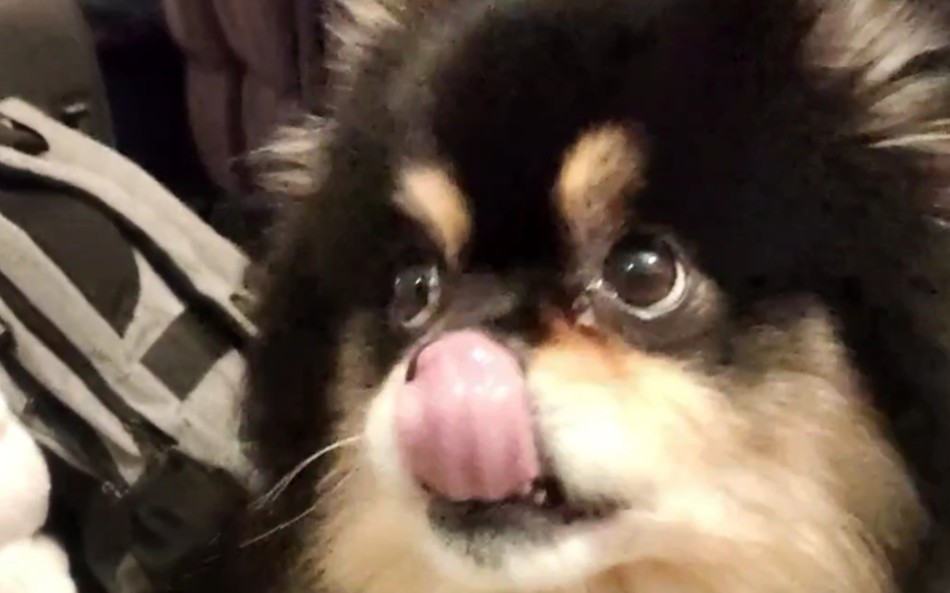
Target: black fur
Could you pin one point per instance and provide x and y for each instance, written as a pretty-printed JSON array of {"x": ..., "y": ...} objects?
[{"x": 754, "y": 160}]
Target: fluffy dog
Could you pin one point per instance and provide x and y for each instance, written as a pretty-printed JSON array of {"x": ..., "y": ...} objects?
[{"x": 639, "y": 296}]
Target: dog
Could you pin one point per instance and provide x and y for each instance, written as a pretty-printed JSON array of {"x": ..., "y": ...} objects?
[{"x": 611, "y": 296}]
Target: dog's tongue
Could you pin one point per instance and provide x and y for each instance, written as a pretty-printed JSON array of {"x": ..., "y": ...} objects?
[{"x": 464, "y": 420}]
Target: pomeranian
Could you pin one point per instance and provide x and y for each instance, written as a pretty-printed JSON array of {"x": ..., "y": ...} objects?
[{"x": 611, "y": 296}]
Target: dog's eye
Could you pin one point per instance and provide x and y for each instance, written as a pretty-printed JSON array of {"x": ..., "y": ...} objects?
[
  {"x": 644, "y": 272},
  {"x": 417, "y": 292}
]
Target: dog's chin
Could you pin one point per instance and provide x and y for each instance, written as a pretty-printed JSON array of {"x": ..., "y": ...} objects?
[
  {"x": 535, "y": 540},
  {"x": 542, "y": 538},
  {"x": 517, "y": 550}
]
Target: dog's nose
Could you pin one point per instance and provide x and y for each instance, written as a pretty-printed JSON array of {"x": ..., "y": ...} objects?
[{"x": 464, "y": 420}]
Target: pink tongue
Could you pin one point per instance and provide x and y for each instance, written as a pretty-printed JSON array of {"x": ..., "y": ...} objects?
[{"x": 464, "y": 421}]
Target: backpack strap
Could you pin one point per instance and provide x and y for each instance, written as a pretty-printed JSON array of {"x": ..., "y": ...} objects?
[
  {"x": 206, "y": 264},
  {"x": 110, "y": 288},
  {"x": 111, "y": 350}
]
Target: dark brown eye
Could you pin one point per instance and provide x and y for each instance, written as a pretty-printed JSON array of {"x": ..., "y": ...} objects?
[
  {"x": 417, "y": 293},
  {"x": 643, "y": 272}
]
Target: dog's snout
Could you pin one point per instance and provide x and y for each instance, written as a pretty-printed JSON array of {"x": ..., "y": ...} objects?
[{"x": 464, "y": 420}]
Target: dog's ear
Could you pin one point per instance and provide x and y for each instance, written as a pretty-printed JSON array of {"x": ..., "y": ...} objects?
[
  {"x": 356, "y": 27},
  {"x": 293, "y": 163},
  {"x": 893, "y": 58},
  {"x": 889, "y": 61}
]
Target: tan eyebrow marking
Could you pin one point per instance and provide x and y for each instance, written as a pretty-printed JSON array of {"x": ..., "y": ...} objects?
[
  {"x": 599, "y": 173},
  {"x": 430, "y": 196}
]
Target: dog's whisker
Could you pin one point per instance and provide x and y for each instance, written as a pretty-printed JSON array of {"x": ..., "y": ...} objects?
[
  {"x": 284, "y": 482},
  {"x": 290, "y": 522}
]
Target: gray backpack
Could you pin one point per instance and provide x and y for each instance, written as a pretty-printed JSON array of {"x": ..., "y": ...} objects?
[{"x": 122, "y": 327}]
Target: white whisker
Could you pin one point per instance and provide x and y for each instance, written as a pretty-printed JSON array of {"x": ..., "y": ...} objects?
[
  {"x": 284, "y": 482},
  {"x": 309, "y": 510}
]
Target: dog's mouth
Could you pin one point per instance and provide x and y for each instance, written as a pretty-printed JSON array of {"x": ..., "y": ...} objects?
[
  {"x": 467, "y": 434},
  {"x": 545, "y": 503}
]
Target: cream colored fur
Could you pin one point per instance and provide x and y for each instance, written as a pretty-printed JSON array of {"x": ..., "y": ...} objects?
[{"x": 777, "y": 485}]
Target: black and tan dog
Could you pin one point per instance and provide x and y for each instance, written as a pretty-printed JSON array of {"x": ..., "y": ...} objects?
[{"x": 600, "y": 296}]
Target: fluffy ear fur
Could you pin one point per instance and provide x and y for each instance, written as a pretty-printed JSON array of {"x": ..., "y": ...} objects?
[
  {"x": 887, "y": 55},
  {"x": 892, "y": 59},
  {"x": 889, "y": 61},
  {"x": 882, "y": 53},
  {"x": 290, "y": 165}
]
